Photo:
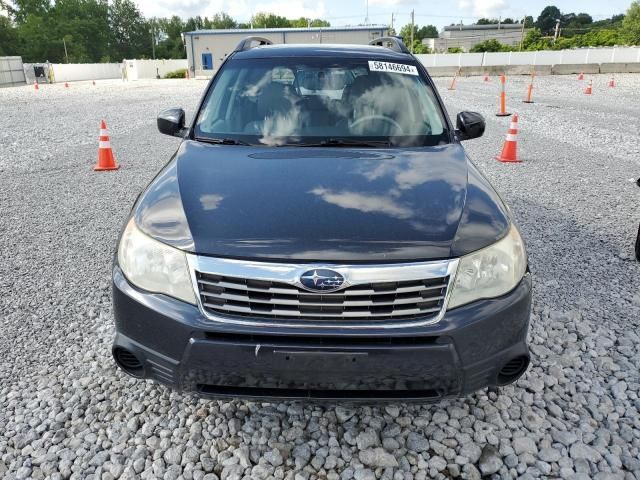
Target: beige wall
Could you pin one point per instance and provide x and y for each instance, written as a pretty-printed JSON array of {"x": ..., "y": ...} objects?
[
  {"x": 220, "y": 45},
  {"x": 466, "y": 39}
]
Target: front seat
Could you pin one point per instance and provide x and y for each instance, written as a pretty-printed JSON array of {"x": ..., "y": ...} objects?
[{"x": 274, "y": 100}]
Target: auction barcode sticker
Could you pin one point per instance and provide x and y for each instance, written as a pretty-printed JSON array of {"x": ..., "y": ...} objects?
[{"x": 376, "y": 66}]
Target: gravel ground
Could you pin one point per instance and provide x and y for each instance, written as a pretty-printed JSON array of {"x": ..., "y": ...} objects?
[{"x": 67, "y": 412}]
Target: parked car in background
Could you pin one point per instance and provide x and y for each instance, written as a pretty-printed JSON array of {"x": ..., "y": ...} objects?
[{"x": 321, "y": 233}]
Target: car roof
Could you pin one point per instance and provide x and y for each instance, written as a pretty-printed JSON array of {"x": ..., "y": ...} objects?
[{"x": 323, "y": 50}]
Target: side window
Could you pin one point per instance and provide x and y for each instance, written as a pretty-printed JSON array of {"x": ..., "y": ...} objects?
[
  {"x": 207, "y": 61},
  {"x": 282, "y": 75}
]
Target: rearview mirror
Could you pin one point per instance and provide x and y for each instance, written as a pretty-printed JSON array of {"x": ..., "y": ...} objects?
[
  {"x": 469, "y": 125},
  {"x": 171, "y": 122}
]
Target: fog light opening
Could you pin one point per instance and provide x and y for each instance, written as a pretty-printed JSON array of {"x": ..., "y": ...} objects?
[
  {"x": 513, "y": 370},
  {"x": 128, "y": 361}
]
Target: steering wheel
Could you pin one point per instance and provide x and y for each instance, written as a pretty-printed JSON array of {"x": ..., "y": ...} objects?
[{"x": 367, "y": 118}]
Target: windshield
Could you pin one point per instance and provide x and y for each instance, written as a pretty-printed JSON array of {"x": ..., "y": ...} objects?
[{"x": 321, "y": 100}]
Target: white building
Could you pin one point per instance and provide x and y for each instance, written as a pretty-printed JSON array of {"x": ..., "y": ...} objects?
[
  {"x": 466, "y": 36},
  {"x": 206, "y": 49}
]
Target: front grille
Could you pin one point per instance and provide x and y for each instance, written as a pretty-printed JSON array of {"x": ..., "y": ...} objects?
[{"x": 372, "y": 301}]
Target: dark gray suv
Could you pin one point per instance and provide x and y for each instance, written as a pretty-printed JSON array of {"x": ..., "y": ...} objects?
[{"x": 320, "y": 233}]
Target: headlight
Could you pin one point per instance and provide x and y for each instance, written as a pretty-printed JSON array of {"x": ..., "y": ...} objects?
[
  {"x": 154, "y": 266},
  {"x": 490, "y": 272}
]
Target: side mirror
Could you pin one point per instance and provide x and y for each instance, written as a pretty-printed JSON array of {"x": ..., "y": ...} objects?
[
  {"x": 469, "y": 125},
  {"x": 171, "y": 122}
]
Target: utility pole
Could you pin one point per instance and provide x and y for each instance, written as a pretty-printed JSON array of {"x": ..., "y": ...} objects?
[
  {"x": 366, "y": 18},
  {"x": 412, "y": 28},
  {"x": 524, "y": 20},
  {"x": 66, "y": 55},
  {"x": 555, "y": 34},
  {"x": 153, "y": 41},
  {"x": 392, "y": 14}
]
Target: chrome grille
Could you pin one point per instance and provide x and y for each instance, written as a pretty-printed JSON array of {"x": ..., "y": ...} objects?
[{"x": 405, "y": 299}]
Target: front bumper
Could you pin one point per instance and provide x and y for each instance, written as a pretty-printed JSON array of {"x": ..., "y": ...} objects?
[{"x": 177, "y": 346}]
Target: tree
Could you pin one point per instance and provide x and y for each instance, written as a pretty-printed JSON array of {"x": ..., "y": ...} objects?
[
  {"x": 631, "y": 24},
  {"x": 419, "y": 47},
  {"x": 573, "y": 24},
  {"x": 194, "y": 23},
  {"x": 491, "y": 45},
  {"x": 428, "y": 31},
  {"x": 534, "y": 40},
  {"x": 547, "y": 20},
  {"x": 169, "y": 34},
  {"x": 84, "y": 26},
  {"x": 130, "y": 32},
  {"x": 23, "y": 8},
  {"x": 487, "y": 21},
  {"x": 528, "y": 21},
  {"x": 36, "y": 42},
  {"x": 8, "y": 37},
  {"x": 269, "y": 20},
  {"x": 304, "y": 22},
  {"x": 222, "y": 21}
]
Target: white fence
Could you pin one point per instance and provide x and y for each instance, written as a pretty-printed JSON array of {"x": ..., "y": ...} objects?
[
  {"x": 11, "y": 71},
  {"x": 137, "y": 69},
  {"x": 543, "y": 57},
  {"x": 71, "y": 72}
]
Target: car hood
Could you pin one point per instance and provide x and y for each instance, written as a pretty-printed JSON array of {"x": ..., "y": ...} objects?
[{"x": 322, "y": 204}]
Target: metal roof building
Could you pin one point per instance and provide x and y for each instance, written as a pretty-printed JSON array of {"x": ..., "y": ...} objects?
[
  {"x": 466, "y": 36},
  {"x": 206, "y": 49}
]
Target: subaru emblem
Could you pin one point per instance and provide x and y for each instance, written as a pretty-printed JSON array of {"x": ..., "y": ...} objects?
[{"x": 321, "y": 280}]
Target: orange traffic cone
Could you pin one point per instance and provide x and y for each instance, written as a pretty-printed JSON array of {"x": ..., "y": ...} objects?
[
  {"x": 35, "y": 85},
  {"x": 581, "y": 76},
  {"x": 589, "y": 89},
  {"x": 509, "y": 150},
  {"x": 453, "y": 82},
  {"x": 529, "y": 98},
  {"x": 106, "y": 161},
  {"x": 186, "y": 74},
  {"x": 503, "y": 98},
  {"x": 486, "y": 77},
  {"x": 612, "y": 82}
]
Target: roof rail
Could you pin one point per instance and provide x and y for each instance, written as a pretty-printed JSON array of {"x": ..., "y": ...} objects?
[
  {"x": 394, "y": 43},
  {"x": 247, "y": 43}
]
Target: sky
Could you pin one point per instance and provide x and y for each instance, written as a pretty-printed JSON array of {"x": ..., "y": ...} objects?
[{"x": 353, "y": 12}]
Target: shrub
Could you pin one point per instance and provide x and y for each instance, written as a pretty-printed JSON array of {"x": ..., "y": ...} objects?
[
  {"x": 176, "y": 73},
  {"x": 491, "y": 45}
]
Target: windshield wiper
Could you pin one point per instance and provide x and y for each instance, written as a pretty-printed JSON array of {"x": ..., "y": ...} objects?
[
  {"x": 223, "y": 141},
  {"x": 341, "y": 142}
]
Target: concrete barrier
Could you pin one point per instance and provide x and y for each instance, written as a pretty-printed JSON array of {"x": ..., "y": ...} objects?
[
  {"x": 620, "y": 68},
  {"x": 541, "y": 69},
  {"x": 518, "y": 69},
  {"x": 575, "y": 68},
  {"x": 442, "y": 71},
  {"x": 493, "y": 70}
]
